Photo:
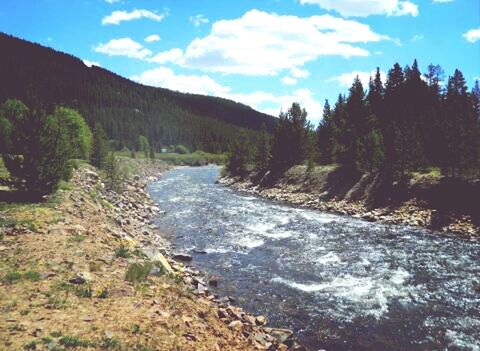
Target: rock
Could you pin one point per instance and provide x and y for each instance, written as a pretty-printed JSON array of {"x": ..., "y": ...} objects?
[
  {"x": 261, "y": 320},
  {"x": 281, "y": 335},
  {"x": 250, "y": 319},
  {"x": 182, "y": 257},
  {"x": 236, "y": 325},
  {"x": 81, "y": 278},
  {"x": 213, "y": 281}
]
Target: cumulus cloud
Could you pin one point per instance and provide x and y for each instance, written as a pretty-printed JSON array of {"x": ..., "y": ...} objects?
[
  {"x": 261, "y": 43},
  {"x": 89, "y": 63},
  {"x": 165, "y": 77},
  {"x": 289, "y": 80},
  {"x": 172, "y": 55},
  {"x": 198, "y": 20},
  {"x": 202, "y": 84},
  {"x": 152, "y": 38},
  {"x": 364, "y": 8},
  {"x": 123, "y": 47},
  {"x": 116, "y": 17},
  {"x": 346, "y": 79},
  {"x": 473, "y": 35}
]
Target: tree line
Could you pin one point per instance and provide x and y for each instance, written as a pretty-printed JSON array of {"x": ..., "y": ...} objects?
[{"x": 411, "y": 122}]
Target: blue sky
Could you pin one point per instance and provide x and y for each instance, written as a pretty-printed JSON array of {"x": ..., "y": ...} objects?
[{"x": 266, "y": 54}]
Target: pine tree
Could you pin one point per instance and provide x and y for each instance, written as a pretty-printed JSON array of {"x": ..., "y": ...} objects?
[
  {"x": 262, "y": 156},
  {"x": 112, "y": 172},
  {"x": 290, "y": 140},
  {"x": 100, "y": 147},
  {"x": 461, "y": 129},
  {"x": 376, "y": 94},
  {"x": 38, "y": 152},
  {"x": 324, "y": 135}
]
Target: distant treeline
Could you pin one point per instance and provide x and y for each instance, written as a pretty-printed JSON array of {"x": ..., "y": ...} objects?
[
  {"x": 409, "y": 123},
  {"x": 41, "y": 76}
]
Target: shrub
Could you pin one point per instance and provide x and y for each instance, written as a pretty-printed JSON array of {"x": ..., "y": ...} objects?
[
  {"x": 138, "y": 272},
  {"x": 180, "y": 149}
]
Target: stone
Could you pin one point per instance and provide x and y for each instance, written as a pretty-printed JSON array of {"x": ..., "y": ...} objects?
[
  {"x": 213, "y": 281},
  {"x": 81, "y": 278},
  {"x": 260, "y": 320},
  {"x": 236, "y": 325},
  {"x": 182, "y": 257},
  {"x": 281, "y": 335}
]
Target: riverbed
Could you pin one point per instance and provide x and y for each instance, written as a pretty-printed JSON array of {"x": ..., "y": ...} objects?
[{"x": 339, "y": 282}]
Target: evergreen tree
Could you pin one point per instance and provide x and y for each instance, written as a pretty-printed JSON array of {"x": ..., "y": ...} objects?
[
  {"x": 112, "y": 172},
  {"x": 100, "y": 147},
  {"x": 290, "y": 140},
  {"x": 239, "y": 157},
  {"x": 324, "y": 135},
  {"x": 376, "y": 94},
  {"x": 38, "y": 151},
  {"x": 262, "y": 156},
  {"x": 476, "y": 100},
  {"x": 461, "y": 129},
  {"x": 341, "y": 132}
]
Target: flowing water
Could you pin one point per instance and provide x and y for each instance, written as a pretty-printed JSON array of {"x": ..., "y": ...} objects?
[{"x": 339, "y": 282}]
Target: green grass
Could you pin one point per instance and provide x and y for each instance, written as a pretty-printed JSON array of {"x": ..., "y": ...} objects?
[
  {"x": 3, "y": 170},
  {"x": 138, "y": 272},
  {"x": 196, "y": 158},
  {"x": 73, "y": 342},
  {"x": 16, "y": 276},
  {"x": 122, "y": 252}
]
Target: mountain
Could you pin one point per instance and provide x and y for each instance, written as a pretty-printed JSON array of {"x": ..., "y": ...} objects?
[{"x": 39, "y": 75}]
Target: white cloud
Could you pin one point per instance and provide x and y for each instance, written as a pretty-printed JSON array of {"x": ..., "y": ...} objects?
[
  {"x": 123, "y": 47},
  {"x": 172, "y": 55},
  {"x": 299, "y": 73},
  {"x": 289, "y": 80},
  {"x": 260, "y": 43},
  {"x": 473, "y": 35},
  {"x": 198, "y": 20},
  {"x": 202, "y": 84},
  {"x": 346, "y": 79},
  {"x": 112, "y": 1},
  {"x": 441, "y": 1},
  {"x": 89, "y": 63},
  {"x": 364, "y": 8},
  {"x": 152, "y": 38},
  {"x": 417, "y": 37},
  {"x": 165, "y": 77},
  {"x": 119, "y": 16}
]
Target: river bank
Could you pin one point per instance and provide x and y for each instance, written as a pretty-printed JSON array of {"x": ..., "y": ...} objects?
[
  {"x": 89, "y": 270},
  {"x": 300, "y": 191}
]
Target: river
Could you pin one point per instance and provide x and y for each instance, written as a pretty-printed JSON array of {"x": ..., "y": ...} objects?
[{"x": 339, "y": 282}]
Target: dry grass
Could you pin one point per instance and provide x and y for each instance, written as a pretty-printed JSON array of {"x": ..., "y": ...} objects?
[{"x": 43, "y": 249}]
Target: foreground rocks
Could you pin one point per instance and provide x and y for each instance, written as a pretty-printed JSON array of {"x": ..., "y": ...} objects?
[
  {"x": 91, "y": 270},
  {"x": 409, "y": 213}
]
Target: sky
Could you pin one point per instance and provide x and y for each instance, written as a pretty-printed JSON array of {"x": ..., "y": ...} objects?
[{"x": 264, "y": 53}]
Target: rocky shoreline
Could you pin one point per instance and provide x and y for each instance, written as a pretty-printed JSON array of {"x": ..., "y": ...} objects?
[
  {"x": 94, "y": 267},
  {"x": 409, "y": 213},
  {"x": 140, "y": 210}
]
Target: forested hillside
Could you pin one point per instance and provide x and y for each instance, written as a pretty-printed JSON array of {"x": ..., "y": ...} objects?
[{"x": 39, "y": 75}]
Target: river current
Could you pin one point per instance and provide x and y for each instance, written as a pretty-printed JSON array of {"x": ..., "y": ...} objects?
[{"x": 339, "y": 282}]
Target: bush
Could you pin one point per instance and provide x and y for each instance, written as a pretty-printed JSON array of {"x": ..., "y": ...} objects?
[
  {"x": 180, "y": 149},
  {"x": 138, "y": 272}
]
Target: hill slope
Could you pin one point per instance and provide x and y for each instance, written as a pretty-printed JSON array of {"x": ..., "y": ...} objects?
[{"x": 126, "y": 109}]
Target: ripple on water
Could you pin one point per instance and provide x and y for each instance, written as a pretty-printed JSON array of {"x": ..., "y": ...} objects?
[{"x": 314, "y": 271}]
